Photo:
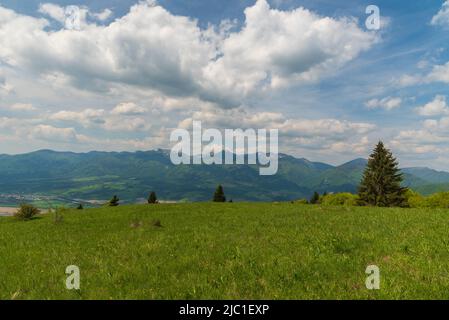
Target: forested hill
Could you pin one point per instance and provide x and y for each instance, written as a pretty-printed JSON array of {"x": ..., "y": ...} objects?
[{"x": 99, "y": 175}]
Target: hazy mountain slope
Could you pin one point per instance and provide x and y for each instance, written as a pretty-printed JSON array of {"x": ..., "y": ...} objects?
[
  {"x": 428, "y": 175},
  {"x": 432, "y": 188},
  {"x": 99, "y": 175},
  {"x": 342, "y": 178}
]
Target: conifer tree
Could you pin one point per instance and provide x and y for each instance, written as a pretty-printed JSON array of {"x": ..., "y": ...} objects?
[
  {"x": 381, "y": 182},
  {"x": 315, "y": 198},
  {"x": 219, "y": 195},
  {"x": 114, "y": 202},
  {"x": 152, "y": 199}
]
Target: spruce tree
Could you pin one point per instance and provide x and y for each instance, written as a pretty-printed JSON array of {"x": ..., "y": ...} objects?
[
  {"x": 114, "y": 202},
  {"x": 152, "y": 199},
  {"x": 219, "y": 195},
  {"x": 315, "y": 198},
  {"x": 381, "y": 182}
]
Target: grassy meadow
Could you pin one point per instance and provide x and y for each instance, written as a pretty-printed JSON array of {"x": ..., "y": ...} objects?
[{"x": 227, "y": 251}]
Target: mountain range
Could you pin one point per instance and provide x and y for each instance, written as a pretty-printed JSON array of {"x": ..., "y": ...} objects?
[{"x": 132, "y": 175}]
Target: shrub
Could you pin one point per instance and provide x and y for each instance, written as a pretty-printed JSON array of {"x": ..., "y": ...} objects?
[
  {"x": 114, "y": 202},
  {"x": 414, "y": 199},
  {"x": 219, "y": 195},
  {"x": 156, "y": 223},
  {"x": 152, "y": 199},
  {"x": 437, "y": 200},
  {"x": 339, "y": 199},
  {"x": 315, "y": 198},
  {"x": 26, "y": 212},
  {"x": 302, "y": 201}
]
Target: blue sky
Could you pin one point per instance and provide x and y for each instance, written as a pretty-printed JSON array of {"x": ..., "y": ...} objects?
[{"x": 135, "y": 71}]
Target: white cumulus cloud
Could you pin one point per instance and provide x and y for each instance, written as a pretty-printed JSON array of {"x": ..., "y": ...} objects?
[
  {"x": 387, "y": 103},
  {"x": 439, "y": 73},
  {"x": 151, "y": 48},
  {"x": 22, "y": 107},
  {"x": 128, "y": 109},
  {"x": 442, "y": 17},
  {"x": 437, "y": 107},
  {"x": 103, "y": 15},
  {"x": 50, "y": 133},
  {"x": 88, "y": 117}
]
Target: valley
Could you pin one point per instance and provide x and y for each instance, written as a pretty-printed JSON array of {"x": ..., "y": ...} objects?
[{"x": 47, "y": 178}]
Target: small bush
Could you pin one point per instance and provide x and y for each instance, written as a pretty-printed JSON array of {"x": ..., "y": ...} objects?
[
  {"x": 156, "y": 223},
  {"x": 152, "y": 199},
  {"x": 302, "y": 201},
  {"x": 219, "y": 195},
  {"x": 315, "y": 198},
  {"x": 114, "y": 202},
  {"x": 436, "y": 200},
  {"x": 26, "y": 212},
  {"x": 339, "y": 199},
  {"x": 414, "y": 199}
]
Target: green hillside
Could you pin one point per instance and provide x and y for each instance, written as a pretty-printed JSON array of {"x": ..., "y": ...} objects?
[
  {"x": 227, "y": 251},
  {"x": 73, "y": 177},
  {"x": 428, "y": 189},
  {"x": 429, "y": 175}
]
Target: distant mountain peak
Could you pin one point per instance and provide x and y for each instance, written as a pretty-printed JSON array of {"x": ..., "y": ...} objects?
[
  {"x": 356, "y": 163},
  {"x": 131, "y": 175}
]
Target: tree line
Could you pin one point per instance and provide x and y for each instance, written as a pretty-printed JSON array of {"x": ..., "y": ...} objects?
[
  {"x": 380, "y": 185},
  {"x": 218, "y": 196}
]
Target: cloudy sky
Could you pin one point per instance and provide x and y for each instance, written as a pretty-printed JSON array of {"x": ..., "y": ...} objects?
[{"x": 136, "y": 70}]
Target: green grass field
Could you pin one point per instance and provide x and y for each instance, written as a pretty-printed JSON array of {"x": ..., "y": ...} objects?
[{"x": 228, "y": 251}]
